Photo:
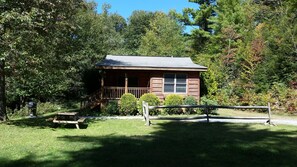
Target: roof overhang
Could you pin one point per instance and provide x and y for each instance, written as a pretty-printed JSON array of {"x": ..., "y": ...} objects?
[
  {"x": 112, "y": 62},
  {"x": 149, "y": 68}
]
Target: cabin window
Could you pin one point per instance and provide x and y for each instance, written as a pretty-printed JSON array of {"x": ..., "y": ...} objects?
[{"x": 175, "y": 83}]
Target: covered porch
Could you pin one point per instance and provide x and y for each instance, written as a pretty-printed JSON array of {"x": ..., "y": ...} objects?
[{"x": 115, "y": 83}]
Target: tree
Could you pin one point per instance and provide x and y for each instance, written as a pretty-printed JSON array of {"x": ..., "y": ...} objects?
[
  {"x": 3, "y": 115},
  {"x": 163, "y": 37},
  {"x": 97, "y": 36},
  {"x": 33, "y": 36},
  {"x": 280, "y": 61},
  {"x": 138, "y": 24},
  {"x": 242, "y": 45},
  {"x": 199, "y": 18}
]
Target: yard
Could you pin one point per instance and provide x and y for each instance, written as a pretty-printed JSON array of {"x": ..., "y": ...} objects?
[{"x": 33, "y": 142}]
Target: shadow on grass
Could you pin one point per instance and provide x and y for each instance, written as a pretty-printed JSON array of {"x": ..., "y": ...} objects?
[
  {"x": 182, "y": 144},
  {"x": 43, "y": 122},
  {"x": 39, "y": 122}
]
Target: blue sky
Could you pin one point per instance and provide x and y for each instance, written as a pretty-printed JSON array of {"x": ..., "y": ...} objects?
[{"x": 126, "y": 7}]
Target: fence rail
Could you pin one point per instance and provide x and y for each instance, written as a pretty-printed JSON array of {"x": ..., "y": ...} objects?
[{"x": 207, "y": 108}]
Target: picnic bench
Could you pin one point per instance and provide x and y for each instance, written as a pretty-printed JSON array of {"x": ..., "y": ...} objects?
[{"x": 68, "y": 118}]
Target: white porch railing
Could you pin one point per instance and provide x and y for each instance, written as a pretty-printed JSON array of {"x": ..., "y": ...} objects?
[{"x": 111, "y": 92}]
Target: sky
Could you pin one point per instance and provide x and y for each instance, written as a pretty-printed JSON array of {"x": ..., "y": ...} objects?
[{"x": 126, "y": 7}]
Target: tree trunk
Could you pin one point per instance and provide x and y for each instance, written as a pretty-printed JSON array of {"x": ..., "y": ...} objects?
[{"x": 3, "y": 115}]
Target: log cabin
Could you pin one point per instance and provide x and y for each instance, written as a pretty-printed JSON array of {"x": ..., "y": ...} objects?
[{"x": 146, "y": 74}]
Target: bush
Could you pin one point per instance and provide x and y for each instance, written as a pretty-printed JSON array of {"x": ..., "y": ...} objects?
[
  {"x": 19, "y": 113},
  {"x": 42, "y": 108},
  {"x": 205, "y": 101},
  {"x": 128, "y": 104},
  {"x": 190, "y": 100},
  {"x": 283, "y": 98},
  {"x": 172, "y": 100},
  {"x": 152, "y": 100},
  {"x": 112, "y": 108},
  {"x": 48, "y": 107}
]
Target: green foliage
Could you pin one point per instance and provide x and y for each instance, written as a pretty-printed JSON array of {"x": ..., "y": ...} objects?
[
  {"x": 280, "y": 56},
  {"x": 48, "y": 107},
  {"x": 112, "y": 108},
  {"x": 190, "y": 100},
  {"x": 206, "y": 101},
  {"x": 97, "y": 36},
  {"x": 283, "y": 99},
  {"x": 138, "y": 24},
  {"x": 152, "y": 100},
  {"x": 172, "y": 100},
  {"x": 128, "y": 104},
  {"x": 42, "y": 108},
  {"x": 32, "y": 36},
  {"x": 200, "y": 18},
  {"x": 48, "y": 45},
  {"x": 226, "y": 96},
  {"x": 163, "y": 37}
]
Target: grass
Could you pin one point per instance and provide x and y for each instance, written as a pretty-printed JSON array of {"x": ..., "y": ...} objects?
[
  {"x": 249, "y": 113},
  {"x": 33, "y": 142}
]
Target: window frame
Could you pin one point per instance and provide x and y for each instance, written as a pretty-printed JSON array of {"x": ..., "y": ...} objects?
[{"x": 175, "y": 83}]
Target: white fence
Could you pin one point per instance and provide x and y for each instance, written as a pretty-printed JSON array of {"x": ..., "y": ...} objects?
[{"x": 146, "y": 108}]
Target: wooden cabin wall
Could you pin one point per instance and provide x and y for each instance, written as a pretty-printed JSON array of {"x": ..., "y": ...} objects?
[
  {"x": 156, "y": 84},
  {"x": 194, "y": 85}
]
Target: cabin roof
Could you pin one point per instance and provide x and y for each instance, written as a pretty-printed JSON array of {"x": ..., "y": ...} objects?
[{"x": 149, "y": 63}]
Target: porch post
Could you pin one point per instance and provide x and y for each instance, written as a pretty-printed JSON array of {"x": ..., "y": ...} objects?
[
  {"x": 126, "y": 83},
  {"x": 102, "y": 87}
]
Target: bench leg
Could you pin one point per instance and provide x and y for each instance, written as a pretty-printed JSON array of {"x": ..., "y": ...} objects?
[{"x": 77, "y": 127}]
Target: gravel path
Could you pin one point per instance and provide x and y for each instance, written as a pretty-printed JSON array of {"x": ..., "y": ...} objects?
[
  {"x": 212, "y": 119},
  {"x": 247, "y": 120}
]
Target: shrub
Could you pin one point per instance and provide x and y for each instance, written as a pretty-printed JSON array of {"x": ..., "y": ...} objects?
[
  {"x": 190, "y": 100},
  {"x": 112, "y": 108},
  {"x": 42, "y": 108},
  {"x": 128, "y": 104},
  {"x": 172, "y": 100},
  {"x": 283, "y": 98},
  {"x": 152, "y": 100},
  {"x": 48, "y": 107},
  {"x": 19, "y": 113},
  {"x": 205, "y": 101}
]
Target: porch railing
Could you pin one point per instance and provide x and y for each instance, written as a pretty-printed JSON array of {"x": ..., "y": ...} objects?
[{"x": 117, "y": 92}]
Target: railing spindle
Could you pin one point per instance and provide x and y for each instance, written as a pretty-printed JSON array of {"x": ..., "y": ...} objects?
[{"x": 117, "y": 92}]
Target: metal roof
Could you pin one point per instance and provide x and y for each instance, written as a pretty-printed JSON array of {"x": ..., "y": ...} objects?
[{"x": 149, "y": 63}]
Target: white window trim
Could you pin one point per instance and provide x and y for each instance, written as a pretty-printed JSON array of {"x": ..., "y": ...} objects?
[{"x": 175, "y": 84}]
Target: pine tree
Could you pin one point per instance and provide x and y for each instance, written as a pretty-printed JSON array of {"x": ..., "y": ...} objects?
[{"x": 198, "y": 18}]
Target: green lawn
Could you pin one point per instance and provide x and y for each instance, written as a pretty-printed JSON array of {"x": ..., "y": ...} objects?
[
  {"x": 249, "y": 113},
  {"x": 33, "y": 142}
]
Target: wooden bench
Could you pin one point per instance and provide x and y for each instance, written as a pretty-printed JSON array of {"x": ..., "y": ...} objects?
[{"x": 63, "y": 118}]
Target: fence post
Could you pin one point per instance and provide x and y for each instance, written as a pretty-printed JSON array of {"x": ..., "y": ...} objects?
[
  {"x": 144, "y": 110},
  {"x": 269, "y": 114},
  {"x": 148, "y": 122},
  {"x": 207, "y": 113}
]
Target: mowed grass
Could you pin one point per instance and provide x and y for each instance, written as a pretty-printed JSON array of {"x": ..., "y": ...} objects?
[
  {"x": 33, "y": 142},
  {"x": 250, "y": 113}
]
